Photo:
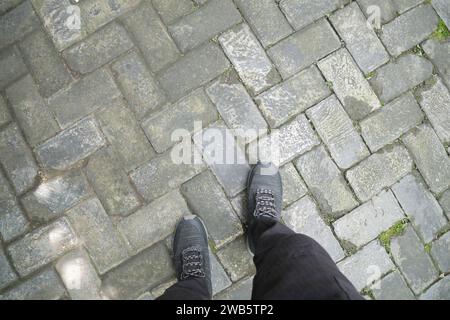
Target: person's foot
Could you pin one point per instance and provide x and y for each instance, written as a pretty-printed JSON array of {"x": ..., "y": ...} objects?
[
  {"x": 191, "y": 253},
  {"x": 264, "y": 195}
]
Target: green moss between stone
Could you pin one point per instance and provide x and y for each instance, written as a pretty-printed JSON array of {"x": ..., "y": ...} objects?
[
  {"x": 394, "y": 231},
  {"x": 441, "y": 32}
]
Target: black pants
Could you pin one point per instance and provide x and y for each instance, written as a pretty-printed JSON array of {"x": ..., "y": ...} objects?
[{"x": 288, "y": 266}]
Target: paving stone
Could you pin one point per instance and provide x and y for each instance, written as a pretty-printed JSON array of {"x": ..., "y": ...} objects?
[
  {"x": 293, "y": 96},
  {"x": 392, "y": 287},
  {"x": 419, "y": 204},
  {"x": 204, "y": 23},
  {"x": 44, "y": 286},
  {"x": 435, "y": 102},
  {"x": 219, "y": 277},
  {"x": 404, "y": 32},
  {"x": 360, "y": 40},
  {"x": 326, "y": 183},
  {"x": 6, "y": 5},
  {"x": 405, "y": 5},
  {"x": 241, "y": 290},
  {"x": 429, "y": 156},
  {"x": 83, "y": 97},
  {"x": 387, "y": 9},
  {"x": 71, "y": 145},
  {"x": 79, "y": 276},
  {"x": 366, "y": 266},
  {"x": 12, "y": 66},
  {"x": 445, "y": 202},
  {"x": 206, "y": 198},
  {"x": 17, "y": 159},
  {"x": 239, "y": 204},
  {"x": 266, "y": 20},
  {"x": 237, "y": 260},
  {"x": 193, "y": 70},
  {"x": 170, "y": 10},
  {"x": 293, "y": 185},
  {"x": 439, "y": 251},
  {"x": 409, "y": 254},
  {"x": 338, "y": 133},
  {"x": 366, "y": 222},
  {"x": 438, "y": 52},
  {"x": 98, "y": 234},
  {"x": 111, "y": 183},
  {"x": 141, "y": 272},
  {"x": 31, "y": 111},
  {"x": 53, "y": 197},
  {"x": 393, "y": 120},
  {"x": 13, "y": 223},
  {"x": 5, "y": 117},
  {"x": 442, "y": 7},
  {"x": 138, "y": 85},
  {"x": 349, "y": 84},
  {"x": 438, "y": 291},
  {"x": 125, "y": 135},
  {"x": 98, "y": 49},
  {"x": 155, "y": 221},
  {"x": 161, "y": 125},
  {"x": 303, "y": 48},
  {"x": 151, "y": 37},
  {"x": 42, "y": 246},
  {"x": 7, "y": 274},
  {"x": 46, "y": 65}
]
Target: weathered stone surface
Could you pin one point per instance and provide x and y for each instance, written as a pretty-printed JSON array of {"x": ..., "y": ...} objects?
[
  {"x": 303, "y": 48},
  {"x": 415, "y": 264},
  {"x": 204, "y": 23},
  {"x": 242, "y": 290},
  {"x": 31, "y": 112},
  {"x": 326, "y": 182},
  {"x": 405, "y": 5},
  {"x": 379, "y": 171},
  {"x": 430, "y": 157},
  {"x": 293, "y": 186},
  {"x": 5, "y": 117},
  {"x": 7, "y": 274},
  {"x": 12, "y": 221},
  {"x": 12, "y": 66},
  {"x": 438, "y": 291},
  {"x": 393, "y": 120},
  {"x": 338, "y": 133},
  {"x": 304, "y": 217},
  {"x": 293, "y": 96},
  {"x": 42, "y": 246},
  {"x": 438, "y": 52},
  {"x": 443, "y": 9},
  {"x": 366, "y": 222},
  {"x": 98, "y": 234},
  {"x": 439, "y": 251},
  {"x": 349, "y": 84},
  {"x": 219, "y": 277},
  {"x": 170, "y": 10},
  {"x": 71, "y": 145},
  {"x": 5, "y": 5},
  {"x": 392, "y": 287},
  {"x": 387, "y": 9},
  {"x": 237, "y": 260},
  {"x": 445, "y": 202}
]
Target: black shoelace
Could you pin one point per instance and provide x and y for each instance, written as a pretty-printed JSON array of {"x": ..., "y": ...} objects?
[
  {"x": 192, "y": 260},
  {"x": 265, "y": 203}
]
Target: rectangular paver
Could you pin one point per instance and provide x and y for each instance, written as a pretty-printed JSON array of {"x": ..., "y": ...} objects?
[
  {"x": 392, "y": 287},
  {"x": 7, "y": 274},
  {"x": 438, "y": 291},
  {"x": 171, "y": 10},
  {"x": 438, "y": 51},
  {"x": 387, "y": 9},
  {"x": 293, "y": 185},
  {"x": 237, "y": 260},
  {"x": 439, "y": 251},
  {"x": 5, "y": 116},
  {"x": 12, "y": 66},
  {"x": 442, "y": 7}
]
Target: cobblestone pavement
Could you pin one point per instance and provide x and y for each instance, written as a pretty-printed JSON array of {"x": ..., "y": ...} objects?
[{"x": 89, "y": 196}]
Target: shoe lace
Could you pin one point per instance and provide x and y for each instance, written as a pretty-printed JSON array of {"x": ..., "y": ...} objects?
[
  {"x": 265, "y": 203},
  {"x": 192, "y": 263}
]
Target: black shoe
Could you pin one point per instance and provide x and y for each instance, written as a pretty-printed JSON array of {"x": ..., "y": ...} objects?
[
  {"x": 264, "y": 195},
  {"x": 191, "y": 252}
]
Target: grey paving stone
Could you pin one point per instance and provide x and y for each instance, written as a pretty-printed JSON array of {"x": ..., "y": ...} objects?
[
  {"x": 405, "y": 5},
  {"x": 366, "y": 222},
  {"x": 71, "y": 145},
  {"x": 430, "y": 157},
  {"x": 161, "y": 289},
  {"x": 170, "y": 10},
  {"x": 392, "y": 287},
  {"x": 249, "y": 59},
  {"x": 445, "y": 202},
  {"x": 12, "y": 66},
  {"x": 46, "y": 65},
  {"x": 53, "y": 197},
  {"x": 7, "y": 274},
  {"x": 393, "y": 120},
  {"x": 31, "y": 111},
  {"x": 79, "y": 276},
  {"x": 438, "y": 52},
  {"x": 98, "y": 234},
  {"x": 13, "y": 223},
  {"x": 206, "y": 198},
  {"x": 367, "y": 265},
  {"x": 387, "y": 9},
  {"x": 125, "y": 135},
  {"x": 394, "y": 78},
  {"x": 326, "y": 183},
  {"x": 161, "y": 125},
  {"x": 219, "y": 277},
  {"x": 379, "y": 171},
  {"x": 415, "y": 264},
  {"x": 349, "y": 84},
  {"x": 155, "y": 221},
  {"x": 360, "y": 40},
  {"x": 439, "y": 251},
  {"x": 303, "y": 48},
  {"x": 404, "y": 32},
  {"x": 17, "y": 159},
  {"x": 193, "y": 70},
  {"x": 111, "y": 183},
  {"x": 442, "y": 7},
  {"x": 293, "y": 96},
  {"x": 42, "y": 246},
  {"x": 338, "y": 133},
  {"x": 44, "y": 286},
  {"x": 237, "y": 260},
  {"x": 8, "y": 4},
  {"x": 97, "y": 49},
  {"x": 265, "y": 19},
  {"x": 304, "y": 217},
  {"x": 241, "y": 290},
  {"x": 146, "y": 270},
  {"x": 438, "y": 291},
  {"x": 204, "y": 23},
  {"x": 5, "y": 117},
  {"x": 293, "y": 185}
]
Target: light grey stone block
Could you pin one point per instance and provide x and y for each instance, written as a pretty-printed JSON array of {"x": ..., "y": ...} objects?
[
  {"x": 445, "y": 202},
  {"x": 241, "y": 290},
  {"x": 438, "y": 52},
  {"x": 171, "y": 10},
  {"x": 7, "y": 274},
  {"x": 387, "y": 9},
  {"x": 237, "y": 260},
  {"x": 439, "y": 251},
  {"x": 293, "y": 185},
  {"x": 443, "y": 9},
  {"x": 392, "y": 287},
  {"x": 5, "y": 116},
  {"x": 405, "y": 5},
  {"x": 438, "y": 291}
]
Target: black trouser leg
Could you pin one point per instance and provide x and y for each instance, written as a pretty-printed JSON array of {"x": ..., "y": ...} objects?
[
  {"x": 294, "y": 266},
  {"x": 192, "y": 289}
]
